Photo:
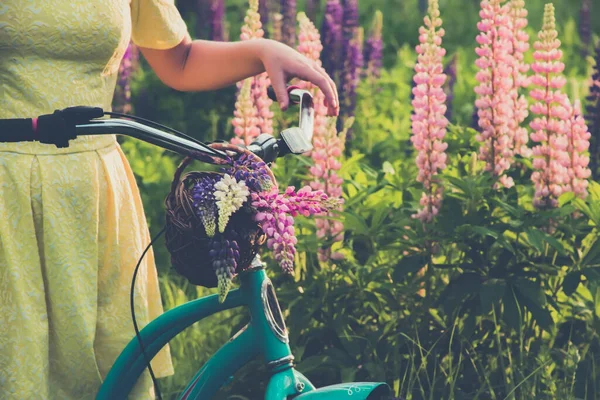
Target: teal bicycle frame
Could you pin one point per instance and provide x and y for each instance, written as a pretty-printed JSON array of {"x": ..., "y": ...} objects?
[{"x": 265, "y": 335}]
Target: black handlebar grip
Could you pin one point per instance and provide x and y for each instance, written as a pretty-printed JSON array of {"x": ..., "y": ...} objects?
[
  {"x": 16, "y": 130},
  {"x": 273, "y": 96}
]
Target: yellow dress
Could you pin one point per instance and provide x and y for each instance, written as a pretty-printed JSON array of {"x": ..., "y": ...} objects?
[{"x": 72, "y": 224}]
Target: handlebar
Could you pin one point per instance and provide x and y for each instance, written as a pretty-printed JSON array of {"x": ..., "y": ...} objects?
[{"x": 67, "y": 124}]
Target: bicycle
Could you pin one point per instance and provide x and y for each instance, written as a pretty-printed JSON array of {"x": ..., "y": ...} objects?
[{"x": 266, "y": 333}]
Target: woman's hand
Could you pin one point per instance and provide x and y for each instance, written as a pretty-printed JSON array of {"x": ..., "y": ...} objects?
[
  {"x": 283, "y": 63},
  {"x": 204, "y": 65}
]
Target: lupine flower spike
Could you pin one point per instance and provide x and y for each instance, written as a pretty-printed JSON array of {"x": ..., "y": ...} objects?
[
  {"x": 592, "y": 116},
  {"x": 351, "y": 60},
  {"x": 129, "y": 63},
  {"x": 204, "y": 201},
  {"x": 579, "y": 143},
  {"x": 224, "y": 254},
  {"x": 288, "y": 30},
  {"x": 585, "y": 27},
  {"x": 494, "y": 101},
  {"x": 263, "y": 10},
  {"x": 520, "y": 45},
  {"x": 332, "y": 38},
  {"x": 352, "y": 74},
  {"x": 327, "y": 146},
  {"x": 309, "y": 45},
  {"x": 217, "y": 16},
  {"x": 374, "y": 48},
  {"x": 450, "y": 72},
  {"x": 252, "y": 29},
  {"x": 428, "y": 121},
  {"x": 551, "y": 159},
  {"x": 275, "y": 213},
  {"x": 245, "y": 119},
  {"x": 252, "y": 171},
  {"x": 230, "y": 195}
]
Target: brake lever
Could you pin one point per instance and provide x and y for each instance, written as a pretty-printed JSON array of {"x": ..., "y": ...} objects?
[{"x": 297, "y": 140}]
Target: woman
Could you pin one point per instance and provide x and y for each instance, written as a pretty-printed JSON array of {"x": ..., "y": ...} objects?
[{"x": 72, "y": 224}]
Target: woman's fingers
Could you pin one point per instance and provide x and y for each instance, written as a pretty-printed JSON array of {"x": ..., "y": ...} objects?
[
  {"x": 333, "y": 109},
  {"x": 278, "y": 82},
  {"x": 323, "y": 82}
]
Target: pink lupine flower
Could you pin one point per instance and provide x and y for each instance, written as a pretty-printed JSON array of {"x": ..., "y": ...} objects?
[
  {"x": 276, "y": 212},
  {"x": 327, "y": 152},
  {"x": 579, "y": 143},
  {"x": 327, "y": 146},
  {"x": 245, "y": 119},
  {"x": 520, "y": 44},
  {"x": 494, "y": 102},
  {"x": 428, "y": 121},
  {"x": 551, "y": 159},
  {"x": 252, "y": 29}
]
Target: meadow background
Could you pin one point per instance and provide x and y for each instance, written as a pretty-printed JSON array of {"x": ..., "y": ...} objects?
[{"x": 483, "y": 302}]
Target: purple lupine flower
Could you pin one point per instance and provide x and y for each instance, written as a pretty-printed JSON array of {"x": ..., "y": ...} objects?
[
  {"x": 331, "y": 37},
  {"x": 205, "y": 203},
  {"x": 585, "y": 26},
  {"x": 253, "y": 171},
  {"x": 312, "y": 6},
  {"x": 593, "y": 117},
  {"x": 263, "y": 10},
  {"x": 351, "y": 60},
  {"x": 374, "y": 47},
  {"x": 351, "y": 77},
  {"x": 275, "y": 213},
  {"x": 217, "y": 17},
  {"x": 450, "y": 72},
  {"x": 349, "y": 19},
  {"x": 224, "y": 255},
  {"x": 129, "y": 63},
  {"x": 288, "y": 31}
]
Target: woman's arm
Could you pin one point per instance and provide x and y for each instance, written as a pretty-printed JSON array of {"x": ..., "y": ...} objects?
[{"x": 204, "y": 65}]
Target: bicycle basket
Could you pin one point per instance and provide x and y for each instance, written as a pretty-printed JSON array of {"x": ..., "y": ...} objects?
[{"x": 186, "y": 237}]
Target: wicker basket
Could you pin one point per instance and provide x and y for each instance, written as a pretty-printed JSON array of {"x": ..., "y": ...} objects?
[{"x": 185, "y": 236}]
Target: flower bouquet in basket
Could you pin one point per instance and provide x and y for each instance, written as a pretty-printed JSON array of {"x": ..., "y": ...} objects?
[{"x": 216, "y": 221}]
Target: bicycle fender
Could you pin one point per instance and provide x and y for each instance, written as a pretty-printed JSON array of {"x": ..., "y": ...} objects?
[{"x": 353, "y": 391}]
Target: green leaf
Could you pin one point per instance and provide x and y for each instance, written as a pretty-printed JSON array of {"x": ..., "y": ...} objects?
[
  {"x": 490, "y": 293},
  {"x": 513, "y": 314},
  {"x": 565, "y": 198},
  {"x": 408, "y": 265},
  {"x": 592, "y": 257},
  {"x": 355, "y": 223},
  {"x": 532, "y": 291},
  {"x": 597, "y": 302},
  {"x": 535, "y": 238},
  {"x": 542, "y": 316},
  {"x": 533, "y": 297},
  {"x": 451, "y": 215},
  {"x": 458, "y": 290},
  {"x": 592, "y": 273},
  {"x": 554, "y": 243},
  {"x": 484, "y": 231},
  {"x": 571, "y": 282}
]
